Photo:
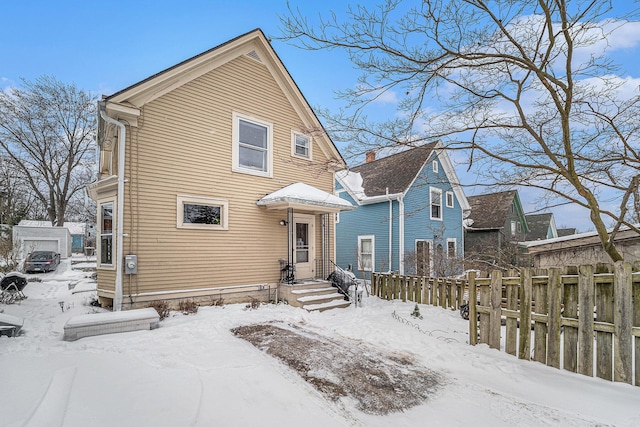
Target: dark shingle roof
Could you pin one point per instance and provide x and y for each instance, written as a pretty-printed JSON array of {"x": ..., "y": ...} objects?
[
  {"x": 491, "y": 210},
  {"x": 395, "y": 172},
  {"x": 538, "y": 226},
  {"x": 566, "y": 232}
]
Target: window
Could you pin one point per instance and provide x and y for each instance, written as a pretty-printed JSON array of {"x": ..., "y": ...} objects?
[
  {"x": 106, "y": 233},
  {"x": 513, "y": 228},
  {"x": 436, "y": 203},
  {"x": 202, "y": 213},
  {"x": 337, "y": 218},
  {"x": 451, "y": 249},
  {"x": 434, "y": 165},
  {"x": 300, "y": 145},
  {"x": 449, "y": 199},
  {"x": 366, "y": 253},
  {"x": 252, "y": 142}
]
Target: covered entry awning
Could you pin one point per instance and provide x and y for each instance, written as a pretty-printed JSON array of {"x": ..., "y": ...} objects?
[{"x": 304, "y": 198}]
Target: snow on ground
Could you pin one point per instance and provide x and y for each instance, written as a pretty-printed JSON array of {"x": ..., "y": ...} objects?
[{"x": 192, "y": 371}]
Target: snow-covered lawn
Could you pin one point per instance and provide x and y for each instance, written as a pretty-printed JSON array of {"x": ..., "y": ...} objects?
[{"x": 193, "y": 371}]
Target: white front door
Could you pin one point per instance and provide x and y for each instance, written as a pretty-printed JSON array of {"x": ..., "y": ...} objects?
[{"x": 305, "y": 248}]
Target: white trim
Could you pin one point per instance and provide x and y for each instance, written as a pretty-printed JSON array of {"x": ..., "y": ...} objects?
[
  {"x": 235, "y": 155},
  {"x": 114, "y": 235},
  {"x": 455, "y": 247},
  {"x": 204, "y": 201},
  {"x": 294, "y": 153},
  {"x": 431, "y": 191},
  {"x": 373, "y": 251},
  {"x": 447, "y": 195}
]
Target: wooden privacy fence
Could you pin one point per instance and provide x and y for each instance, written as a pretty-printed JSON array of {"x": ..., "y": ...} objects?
[
  {"x": 571, "y": 311},
  {"x": 443, "y": 292}
]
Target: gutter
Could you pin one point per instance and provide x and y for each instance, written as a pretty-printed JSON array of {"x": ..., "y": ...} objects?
[{"x": 117, "y": 299}]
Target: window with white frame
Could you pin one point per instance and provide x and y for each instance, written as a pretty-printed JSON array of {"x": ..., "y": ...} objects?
[
  {"x": 106, "y": 233},
  {"x": 434, "y": 165},
  {"x": 300, "y": 145},
  {"x": 436, "y": 203},
  {"x": 337, "y": 218},
  {"x": 452, "y": 251},
  {"x": 252, "y": 145},
  {"x": 449, "y": 199},
  {"x": 205, "y": 213},
  {"x": 513, "y": 228},
  {"x": 366, "y": 253}
]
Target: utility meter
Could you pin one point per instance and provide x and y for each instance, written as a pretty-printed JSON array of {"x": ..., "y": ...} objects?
[{"x": 131, "y": 264}]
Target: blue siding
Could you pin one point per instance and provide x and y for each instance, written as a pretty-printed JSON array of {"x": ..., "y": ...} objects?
[
  {"x": 366, "y": 220},
  {"x": 374, "y": 220}
]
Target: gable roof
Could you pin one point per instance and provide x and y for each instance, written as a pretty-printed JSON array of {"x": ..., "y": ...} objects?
[
  {"x": 393, "y": 175},
  {"x": 539, "y": 225},
  {"x": 254, "y": 44},
  {"x": 490, "y": 211},
  {"x": 73, "y": 227}
]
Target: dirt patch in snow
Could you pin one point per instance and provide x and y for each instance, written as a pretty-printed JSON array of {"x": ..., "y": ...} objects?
[{"x": 380, "y": 382}]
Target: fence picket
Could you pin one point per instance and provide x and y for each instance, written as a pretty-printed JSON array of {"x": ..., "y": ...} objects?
[
  {"x": 473, "y": 313},
  {"x": 604, "y": 314},
  {"x": 570, "y": 298},
  {"x": 540, "y": 326},
  {"x": 495, "y": 315},
  {"x": 511, "y": 322},
  {"x": 586, "y": 296},
  {"x": 524, "y": 348},
  {"x": 622, "y": 318},
  {"x": 554, "y": 320}
]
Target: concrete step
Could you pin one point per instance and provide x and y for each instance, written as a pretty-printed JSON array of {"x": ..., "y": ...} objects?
[{"x": 341, "y": 303}]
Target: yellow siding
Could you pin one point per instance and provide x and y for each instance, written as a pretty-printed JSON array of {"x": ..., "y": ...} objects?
[{"x": 183, "y": 145}]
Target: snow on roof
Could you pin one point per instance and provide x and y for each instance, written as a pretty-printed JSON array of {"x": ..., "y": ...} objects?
[
  {"x": 352, "y": 180},
  {"x": 570, "y": 237},
  {"x": 305, "y": 194},
  {"x": 73, "y": 227}
]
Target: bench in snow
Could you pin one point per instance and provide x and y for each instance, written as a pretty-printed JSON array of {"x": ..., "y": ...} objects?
[
  {"x": 87, "y": 325},
  {"x": 10, "y": 325}
]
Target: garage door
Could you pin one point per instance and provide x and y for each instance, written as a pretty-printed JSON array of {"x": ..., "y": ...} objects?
[{"x": 40, "y": 245}]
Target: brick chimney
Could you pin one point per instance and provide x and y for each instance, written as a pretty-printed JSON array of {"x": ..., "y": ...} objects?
[{"x": 371, "y": 156}]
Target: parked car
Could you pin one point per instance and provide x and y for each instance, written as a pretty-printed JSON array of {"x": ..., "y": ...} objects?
[{"x": 41, "y": 261}]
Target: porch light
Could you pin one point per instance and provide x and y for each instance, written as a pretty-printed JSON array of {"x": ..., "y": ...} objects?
[{"x": 283, "y": 222}]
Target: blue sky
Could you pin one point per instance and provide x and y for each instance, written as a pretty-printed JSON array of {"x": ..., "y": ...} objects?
[{"x": 106, "y": 46}]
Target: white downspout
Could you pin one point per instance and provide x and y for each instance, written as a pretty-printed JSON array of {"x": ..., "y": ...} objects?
[
  {"x": 390, "y": 230},
  {"x": 401, "y": 232},
  {"x": 117, "y": 299}
]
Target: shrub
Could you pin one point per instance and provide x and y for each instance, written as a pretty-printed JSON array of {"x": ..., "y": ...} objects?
[
  {"x": 188, "y": 307},
  {"x": 161, "y": 307}
]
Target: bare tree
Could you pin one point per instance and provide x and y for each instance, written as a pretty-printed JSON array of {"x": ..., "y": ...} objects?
[
  {"x": 47, "y": 130},
  {"x": 526, "y": 88}
]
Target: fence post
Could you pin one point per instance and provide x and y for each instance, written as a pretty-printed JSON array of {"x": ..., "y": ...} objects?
[
  {"x": 622, "y": 339},
  {"x": 540, "y": 327},
  {"x": 555, "y": 296},
  {"x": 495, "y": 315},
  {"x": 586, "y": 297},
  {"x": 524, "y": 351},
  {"x": 473, "y": 314},
  {"x": 636, "y": 322}
]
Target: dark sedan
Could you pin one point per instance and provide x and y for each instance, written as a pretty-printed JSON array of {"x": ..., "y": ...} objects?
[{"x": 41, "y": 262}]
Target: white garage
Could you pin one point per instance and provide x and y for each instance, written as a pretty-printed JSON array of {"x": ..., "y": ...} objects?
[{"x": 31, "y": 239}]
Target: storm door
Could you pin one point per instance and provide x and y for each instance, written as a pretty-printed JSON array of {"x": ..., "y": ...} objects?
[{"x": 304, "y": 253}]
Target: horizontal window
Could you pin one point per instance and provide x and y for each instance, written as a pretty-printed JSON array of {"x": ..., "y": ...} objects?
[{"x": 202, "y": 213}]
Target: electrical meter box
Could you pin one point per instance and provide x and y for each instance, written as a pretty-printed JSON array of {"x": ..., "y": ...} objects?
[{"x": 131, "y": 264}]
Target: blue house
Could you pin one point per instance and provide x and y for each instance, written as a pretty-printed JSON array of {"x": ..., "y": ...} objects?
[{"x": 409, "y": 216}]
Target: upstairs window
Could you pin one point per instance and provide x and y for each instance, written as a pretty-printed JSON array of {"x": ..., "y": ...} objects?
[
  {"x": 252, "y": 142},
  {"x": 436, "y": 203},
  {"x": 449, "y": 199},
  {"x": 300, "y": 145},
  {"x": 434, "y": 166}
]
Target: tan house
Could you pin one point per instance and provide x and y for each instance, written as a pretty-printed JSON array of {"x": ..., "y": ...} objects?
[{"x": 216, "y": 181}]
